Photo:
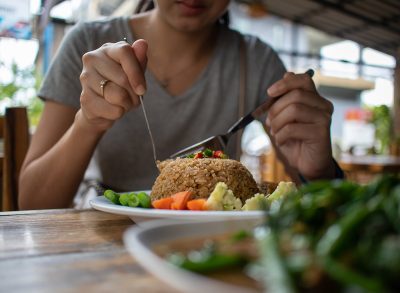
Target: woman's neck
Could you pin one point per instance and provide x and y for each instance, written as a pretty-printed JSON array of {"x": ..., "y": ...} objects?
[
  {"x": 176, "y": 58},
  {"x": 167, "y": 43}
]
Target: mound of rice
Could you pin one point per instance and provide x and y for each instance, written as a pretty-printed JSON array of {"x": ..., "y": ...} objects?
[{"x": 201, "y": 175}]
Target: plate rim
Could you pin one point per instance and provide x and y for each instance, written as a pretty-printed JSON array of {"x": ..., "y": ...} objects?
[{"x": 102, "y": 204}]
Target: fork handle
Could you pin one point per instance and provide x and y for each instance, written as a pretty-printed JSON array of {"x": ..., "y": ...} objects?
[
  {"x": 241, "y": 123},
  {"x": 244, "y": 121}
]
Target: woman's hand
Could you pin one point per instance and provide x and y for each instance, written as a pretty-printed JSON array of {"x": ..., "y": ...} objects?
[
  {"x": 299, "y": 126},
  {"x": 122, "y": 66}
]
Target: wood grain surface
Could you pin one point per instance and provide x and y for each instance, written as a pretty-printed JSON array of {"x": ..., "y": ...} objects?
[{"x": 69, "y": 251}]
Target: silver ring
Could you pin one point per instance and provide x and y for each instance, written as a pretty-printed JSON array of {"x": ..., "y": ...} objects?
[{"x": 103, "y": 85}]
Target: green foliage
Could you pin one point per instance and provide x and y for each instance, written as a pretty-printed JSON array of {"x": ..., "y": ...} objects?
[
  {"x": 345, "y": 235},
  {"x": 381, "y": 118},
  {"x": 35, "y": 109},
  {"x": 22, "y": 81},
  {"x": 10, "y": 88}
]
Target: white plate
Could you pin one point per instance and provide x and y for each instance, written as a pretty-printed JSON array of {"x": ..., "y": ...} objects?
[
  {"x": 140, "y": 240},
  {"x": 139, "y": 215}
]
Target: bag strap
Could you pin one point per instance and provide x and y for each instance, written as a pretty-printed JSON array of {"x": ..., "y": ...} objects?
[{"x": 242, "y": 91}]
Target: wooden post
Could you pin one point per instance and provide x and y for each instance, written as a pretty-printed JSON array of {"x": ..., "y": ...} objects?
[
  {"x": 272, "y": 170},
  {"x": 16, "y": 142},
  {"x": 395, "y": 149}
]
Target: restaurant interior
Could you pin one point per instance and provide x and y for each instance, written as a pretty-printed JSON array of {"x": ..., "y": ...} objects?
[{"x": 354, "y": 49}]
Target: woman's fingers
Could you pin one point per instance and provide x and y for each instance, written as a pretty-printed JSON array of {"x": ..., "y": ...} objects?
[
  {"x": 99, "y": 64},
  {"x": 307, "y": 133},
  {"x": 291, "y": 81},
  {"x": 297, "y": 101},
  {"x": 118, "y": 96},
  {"x": 110, "y": 91},
  {"x": 140, "y": 48},
  {"x": 299, "y": 125},
  {"x": 300, "y": 97},
  {"x": 96, "y": 108},
  {"x": 112, "y": 78},
  {"x": 124, "y": 54},
  {"x": 299, "y": 113}
]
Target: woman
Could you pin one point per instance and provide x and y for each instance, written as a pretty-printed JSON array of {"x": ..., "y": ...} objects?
[{"x": 186, "y": 64}]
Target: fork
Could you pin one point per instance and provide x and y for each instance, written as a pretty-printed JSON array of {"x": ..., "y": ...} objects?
[{"x": 219, "y": 142}]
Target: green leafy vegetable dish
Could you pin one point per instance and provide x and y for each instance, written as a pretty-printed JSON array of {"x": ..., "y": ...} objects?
[{"x": 334, "y": 236}]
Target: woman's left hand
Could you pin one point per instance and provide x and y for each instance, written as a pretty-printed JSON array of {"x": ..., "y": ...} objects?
[{"x": 299, "y": 126}]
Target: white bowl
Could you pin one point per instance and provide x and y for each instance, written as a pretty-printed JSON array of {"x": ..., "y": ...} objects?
[{"x": 140, "y": 241}]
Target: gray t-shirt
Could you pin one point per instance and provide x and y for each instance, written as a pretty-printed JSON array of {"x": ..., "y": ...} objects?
[{"x": 210, "y": 106}]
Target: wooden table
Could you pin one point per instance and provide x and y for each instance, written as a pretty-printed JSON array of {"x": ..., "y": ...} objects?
[
  {"x": 371, "y": 163},
  {"x": 363, "y": 168},
  {"x": 69, "y": 251}
]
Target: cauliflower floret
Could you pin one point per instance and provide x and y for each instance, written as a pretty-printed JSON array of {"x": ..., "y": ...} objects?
[
  {"x": 260, "y": 201},
  {"x": 283, "y": 189},
  {"x": 222, "y": 199},
  {"x": 255, "y": 203}
]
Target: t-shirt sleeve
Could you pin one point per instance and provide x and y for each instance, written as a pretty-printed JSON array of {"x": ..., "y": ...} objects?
[{"x": 61, "y": 82}]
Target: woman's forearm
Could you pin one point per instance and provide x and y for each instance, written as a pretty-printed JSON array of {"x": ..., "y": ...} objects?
[{"x": 52, "y": 179}]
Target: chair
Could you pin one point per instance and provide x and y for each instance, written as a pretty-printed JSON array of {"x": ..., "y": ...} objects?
[
  {"x": 14, "y": 129},
  {"x": 272, "y": 169}
]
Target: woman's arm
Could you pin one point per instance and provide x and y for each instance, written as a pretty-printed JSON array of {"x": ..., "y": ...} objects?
[
  {"x": 57, "y": 158},
  {"x": 65, "y": 139}
]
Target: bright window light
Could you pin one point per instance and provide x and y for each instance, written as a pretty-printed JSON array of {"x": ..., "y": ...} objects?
[
  {"x": 20, "y": 52},
  {"x": 34, "y": 6},
  {"x": 374, "y": 57},
  {"x": 382, "y": 94},
  {"x": 62, "y": 10},
  {"x": 342, "y": 51},
  {"x": 345, "y": 50}
]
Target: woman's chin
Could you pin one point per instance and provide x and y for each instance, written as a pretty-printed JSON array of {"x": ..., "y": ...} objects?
[{"x": 191, "y": 24}]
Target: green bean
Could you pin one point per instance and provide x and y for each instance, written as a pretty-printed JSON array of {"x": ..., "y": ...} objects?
[
  {"x": 277, "y": 278},
  {"x": 144, "y": 200},
  {"x": 210, "y": 263},
  {"x": 130, "y": 199},
  {"x": 112, "y": 196},
  {"x": 133, "y": 200},
  {"x": 349, "y": 277},
  {"x": 240, "y": 235},
  {"x": 124, "y": 199},
  {"x": 337, "y": 234}
]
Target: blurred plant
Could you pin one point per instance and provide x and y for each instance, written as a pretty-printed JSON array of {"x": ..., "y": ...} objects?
[
  {"x": 20, "y": 89},
  {"x": 381, "y": 118}
]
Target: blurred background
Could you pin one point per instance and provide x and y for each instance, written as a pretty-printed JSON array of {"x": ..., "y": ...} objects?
[{"x": 354, "y": 47}]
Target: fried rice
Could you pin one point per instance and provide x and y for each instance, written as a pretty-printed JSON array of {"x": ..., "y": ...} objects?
[{"x": 201, "y": 175}]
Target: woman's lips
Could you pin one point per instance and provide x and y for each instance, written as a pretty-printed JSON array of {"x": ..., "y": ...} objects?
[{"x": 191, "y": 8}]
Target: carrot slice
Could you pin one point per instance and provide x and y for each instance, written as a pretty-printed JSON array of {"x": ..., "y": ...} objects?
[
  {"x": 180, "y": 199},
  {"x": 197, "y": 204},
  {"x": 163, "y": 203}
]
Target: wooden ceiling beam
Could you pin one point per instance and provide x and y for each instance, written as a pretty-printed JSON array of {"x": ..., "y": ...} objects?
[{"x": 340, "y": 7}]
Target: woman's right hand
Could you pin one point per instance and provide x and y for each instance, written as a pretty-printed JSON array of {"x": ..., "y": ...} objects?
[{"x": 123, "y": 66}]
